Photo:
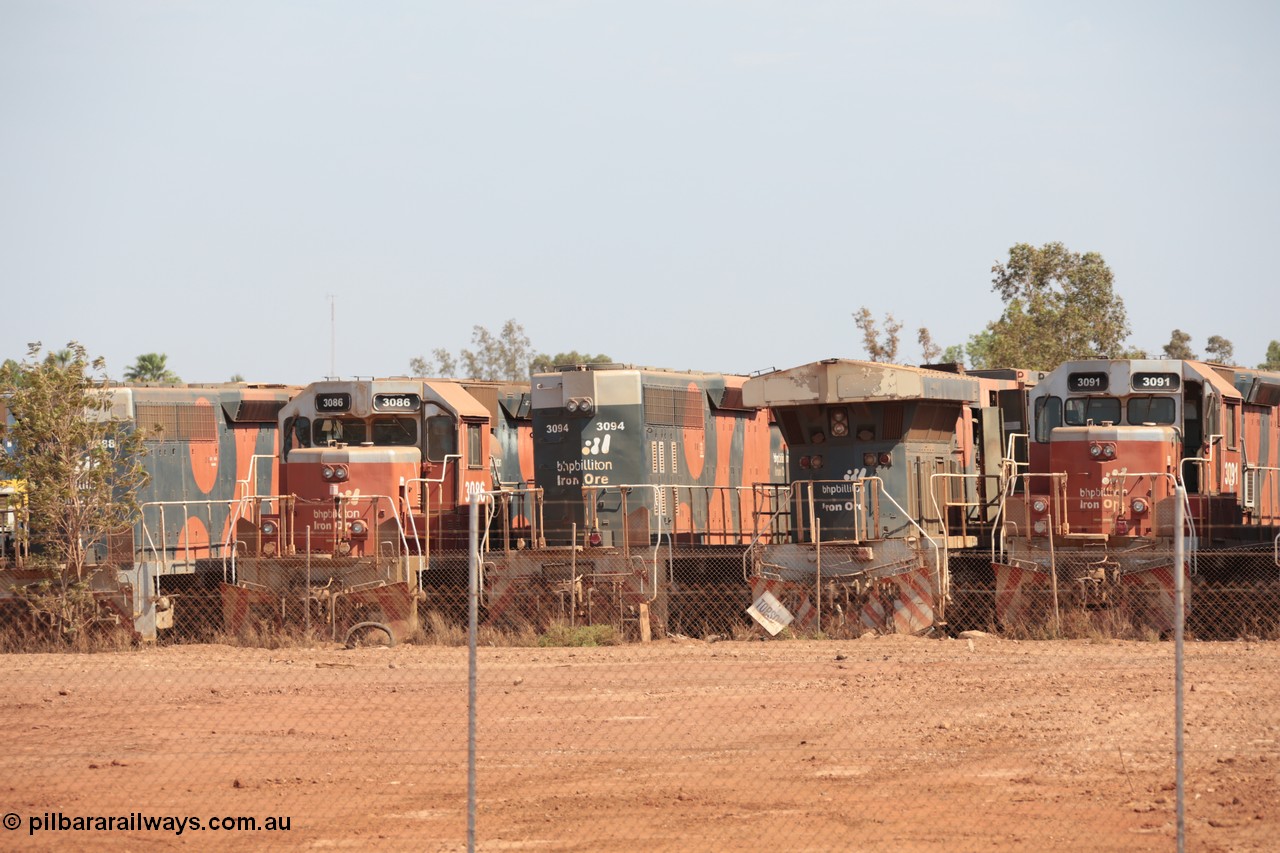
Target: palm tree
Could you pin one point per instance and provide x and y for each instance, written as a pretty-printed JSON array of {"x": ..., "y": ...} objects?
[{"x": 150, "y": 367}]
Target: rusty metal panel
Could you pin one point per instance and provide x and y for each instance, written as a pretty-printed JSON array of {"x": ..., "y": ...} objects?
[{"x": 846, "y": 381}]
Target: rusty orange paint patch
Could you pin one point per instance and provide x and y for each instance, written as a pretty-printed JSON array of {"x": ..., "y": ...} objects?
[{"x": 204, "y": 456}]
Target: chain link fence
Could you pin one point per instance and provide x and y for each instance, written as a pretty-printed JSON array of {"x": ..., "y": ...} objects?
[{"x": 630, "y": 704}]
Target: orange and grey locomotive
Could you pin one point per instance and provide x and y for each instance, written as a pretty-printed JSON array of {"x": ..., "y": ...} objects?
[
  {"x": 649, "y": 482},
  {"x": 207, "y": 449}
]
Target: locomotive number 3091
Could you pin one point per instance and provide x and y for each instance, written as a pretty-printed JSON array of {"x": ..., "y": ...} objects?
[{"x": 1156, "y": 381}]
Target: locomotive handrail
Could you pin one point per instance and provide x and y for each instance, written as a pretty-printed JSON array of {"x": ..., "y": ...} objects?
[
  {"x": 1010, "y": 456},
  {"x": 755, "y": 539},
  {"x": 859, "y": 494},
  {"x": 945, "y": 522},
  {"x": 161, "y": 553},
  {"x": 1057, "y": 490},
  {"x": 936, "y": 556},
  {"x": 251, "y": 475},
  {"x": 1056, "y": 510},
  {"x": 728, "y": 500},
  {"x": 623, "y": 490},
  {"x": 1257, "y": 488},
  {"x": 427, "y": 482}
]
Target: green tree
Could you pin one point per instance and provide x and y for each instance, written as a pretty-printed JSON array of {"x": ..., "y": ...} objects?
[
  {"x": 1219, "y": 349},
  {"x": 1059, "y": 305},
  {"x": 151, "y": 367},
  {"x": 542, "y": 362},
  {"x": 81, "y": 472},
  {"x": 1179, "y": 346},
  {"x": 1273, "y": 357},
  {"x": 953, "y": 354},
  {"x": 879, "y": 347},
  {"x": 236, "y": 377}
]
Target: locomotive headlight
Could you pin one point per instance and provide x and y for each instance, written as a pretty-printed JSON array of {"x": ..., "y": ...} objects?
[
  {"x": 868, "y": 459},
  {"x": 1109, "y": 450},
  {"x": 340, "y": 472},
  {"x": 1139, "y": 506},
  {"x": 815, "y": 462},
  {"x": 268, "y": 528},
  {"x": 358, "y": 528},
  {"x": 585, "y": 405},
  {"x": 1040, "y": 505},
  {"x": 572, "y": 405},
  {"x": 327, "y": 472},
  {"x": 839, "y": 423},
  {"x": 1095, "y": 450}
]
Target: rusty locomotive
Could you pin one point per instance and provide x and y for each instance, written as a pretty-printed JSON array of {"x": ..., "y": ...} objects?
[
  {"x": 207, "y": 450},
  {"x": 895, "y": 480},
  {"x": 651, "y": 481},
  {"x": 371, "y": 514},
  {"x": 1091, "y": 526},
  {"x": 841, "y": 496}
]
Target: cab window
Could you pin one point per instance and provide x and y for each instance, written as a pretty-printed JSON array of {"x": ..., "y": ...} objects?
[
  {"x": 1048, "y": 416},
  {"x": 475, "y": 448},
  {"x": 442, "y": 441},
  {"x": 297, "y": 432},
  {"x": 1151, "y": 410},
  {"x": 1081, "y": 411},
  {"x": 338, "y": 431},
  {"x": 395, "y": 432}
]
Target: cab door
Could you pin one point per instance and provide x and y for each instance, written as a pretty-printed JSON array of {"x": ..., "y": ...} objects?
[{"x": 440, "y": 461}]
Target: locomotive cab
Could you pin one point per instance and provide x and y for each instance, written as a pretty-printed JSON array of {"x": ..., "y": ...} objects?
[
  {"x": 1113, "y": 439},
  {"x": 378, "y": 461}
]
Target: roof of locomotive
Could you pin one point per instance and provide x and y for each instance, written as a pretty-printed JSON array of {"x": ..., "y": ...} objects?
[
  {"x": 723, "y": 390},
  {"x": 836, "y": 380},
  {"x": 1056, "y": 381}
]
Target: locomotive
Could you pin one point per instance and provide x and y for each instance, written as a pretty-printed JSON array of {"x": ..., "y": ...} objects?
[
  {"x": 1110, "y": 442},
  {"x": 895, "y": 475},
  {"x": 375, "y": 477},
  {"x": 652, "y": 482},
  {"x": 206, "y": 449}
]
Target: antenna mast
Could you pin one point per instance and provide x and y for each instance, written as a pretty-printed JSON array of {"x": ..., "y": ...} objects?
[{"x": 333, "y": 336}]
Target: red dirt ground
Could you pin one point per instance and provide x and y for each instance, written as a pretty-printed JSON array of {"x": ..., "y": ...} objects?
[{"x": 888, "y": 743}]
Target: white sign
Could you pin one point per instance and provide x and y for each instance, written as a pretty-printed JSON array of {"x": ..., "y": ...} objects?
[{"x": 770, "y": 613}]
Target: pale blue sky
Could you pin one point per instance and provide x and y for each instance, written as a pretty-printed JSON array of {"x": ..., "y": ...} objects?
[{"x": 696, "y": 185}]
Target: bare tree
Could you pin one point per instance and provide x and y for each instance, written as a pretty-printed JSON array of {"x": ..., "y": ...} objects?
[
  {"x": 878, "y": 348},
  {"x": 928, "y": 349}
]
